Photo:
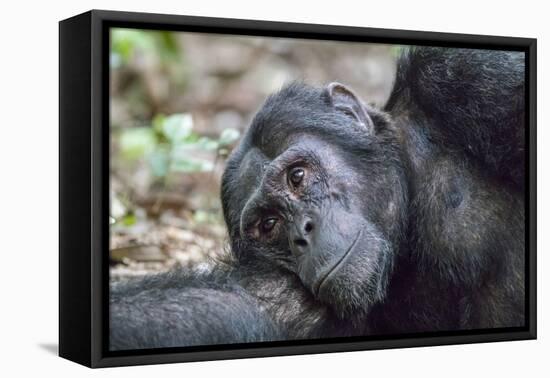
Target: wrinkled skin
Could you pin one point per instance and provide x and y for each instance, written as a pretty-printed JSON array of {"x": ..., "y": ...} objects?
[{"x": 317, "y": 214}]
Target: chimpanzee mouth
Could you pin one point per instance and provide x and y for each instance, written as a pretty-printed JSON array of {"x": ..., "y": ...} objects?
[{"x": 325, "y": 277}]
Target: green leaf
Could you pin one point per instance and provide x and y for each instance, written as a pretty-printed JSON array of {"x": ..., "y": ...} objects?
[
  {"x": 158, "y": 122},
  {"x": 168, "y": 45},
  {"x": 397, "y": 50},
  {"x": 129, "y": 220},
  {"x": 176, "y": 128},
  {"x": 207, "y": 144},
  {"x": 137, "y": 142},
  {"x": 229, "y": 136},
  {"x": 191, "y": 140},
  {"x": 117, "y": 207},
  {"x": 115, "y": 60},
  {"x": 125, "y": 41},
  {"x": 201, "y": 216},
  {"x": 190, "y": 164},
  {"x": 159, "y": 161}
]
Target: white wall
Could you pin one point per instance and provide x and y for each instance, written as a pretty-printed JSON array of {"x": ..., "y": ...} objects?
[{"x": 28, "y": 185}]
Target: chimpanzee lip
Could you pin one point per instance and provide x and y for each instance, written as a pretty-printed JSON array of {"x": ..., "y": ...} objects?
[{"x": 330, "y": 272}]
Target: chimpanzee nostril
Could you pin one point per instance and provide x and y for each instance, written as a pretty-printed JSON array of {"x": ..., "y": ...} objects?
[
  {"x": 300, "y": 242},
  {"x": 308, "y": 227},
  {"x": 300, "y": 233}
]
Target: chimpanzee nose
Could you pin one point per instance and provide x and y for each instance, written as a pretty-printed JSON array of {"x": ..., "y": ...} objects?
[{"x": 301, "y": 232}]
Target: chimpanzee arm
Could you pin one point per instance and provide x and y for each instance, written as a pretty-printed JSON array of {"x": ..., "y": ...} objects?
[{"x": 184, "y": 308}]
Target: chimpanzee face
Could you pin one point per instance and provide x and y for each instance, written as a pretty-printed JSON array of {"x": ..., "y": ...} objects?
[{"x": 316, "y": 192}]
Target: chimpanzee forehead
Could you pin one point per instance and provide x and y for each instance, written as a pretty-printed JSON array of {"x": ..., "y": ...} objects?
[{"x": 296, "y": 109}]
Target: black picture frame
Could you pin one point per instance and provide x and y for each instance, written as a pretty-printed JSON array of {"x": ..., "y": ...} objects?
[{"x": 84, "y": 194}]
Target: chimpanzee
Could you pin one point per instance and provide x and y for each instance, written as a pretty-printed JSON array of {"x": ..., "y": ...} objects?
[{"x": 348, "y": 220}]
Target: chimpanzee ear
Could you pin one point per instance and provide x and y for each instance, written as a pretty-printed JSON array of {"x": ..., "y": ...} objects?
[{"x": 344, "y": 100}]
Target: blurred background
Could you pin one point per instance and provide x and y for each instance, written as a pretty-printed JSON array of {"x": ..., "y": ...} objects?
[{"x": 179, "y": 104}]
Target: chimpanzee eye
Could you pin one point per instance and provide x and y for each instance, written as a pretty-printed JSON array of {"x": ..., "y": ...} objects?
[
  {"x": 295, "y": 176},
  {"x": 268, "y": 224}
]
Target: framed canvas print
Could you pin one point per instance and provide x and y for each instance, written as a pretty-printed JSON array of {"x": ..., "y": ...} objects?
[{"x": 234, "y": 188}]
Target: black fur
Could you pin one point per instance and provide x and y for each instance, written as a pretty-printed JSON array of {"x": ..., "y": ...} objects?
[
  {"x": 474, "y": 100},
  {"x": 183, "y": 308},
  {"x": 408, "y": 220}
]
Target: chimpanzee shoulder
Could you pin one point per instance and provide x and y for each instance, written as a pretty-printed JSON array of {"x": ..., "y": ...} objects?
[{"x": 473, "y": 99}]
